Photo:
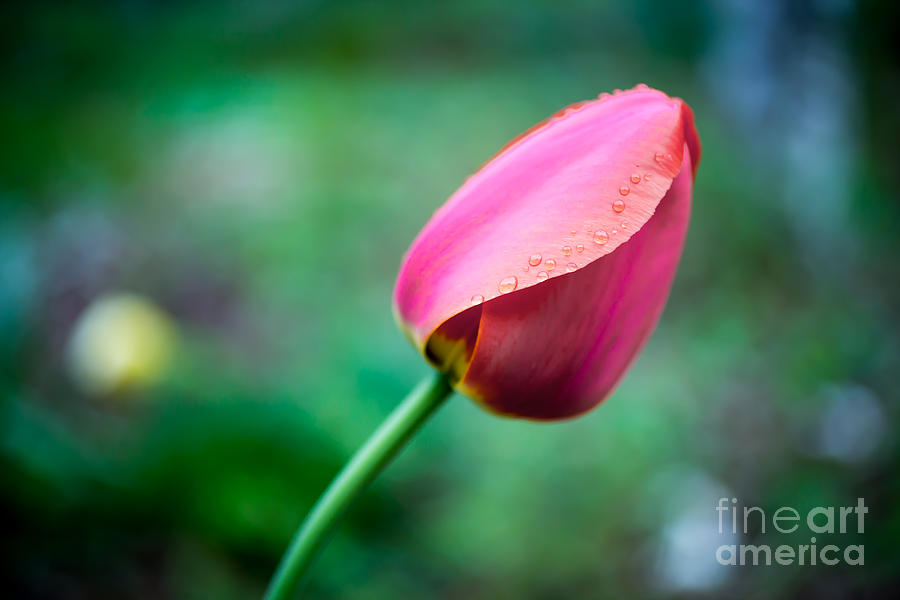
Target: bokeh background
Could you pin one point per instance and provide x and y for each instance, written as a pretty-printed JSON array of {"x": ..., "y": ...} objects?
[{"x": 250, "y": 173}]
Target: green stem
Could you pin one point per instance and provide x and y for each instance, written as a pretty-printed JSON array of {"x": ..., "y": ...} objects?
[{"x": 377, "y": 452}]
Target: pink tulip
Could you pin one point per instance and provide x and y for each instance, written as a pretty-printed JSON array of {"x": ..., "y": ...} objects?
[{"x": 537, "y": 283}]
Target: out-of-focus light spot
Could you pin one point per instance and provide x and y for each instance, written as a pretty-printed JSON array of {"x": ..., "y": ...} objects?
[
  {"x": 852, "y": 424},
  {"x": 685, "y": 552},
  {"x": 120, "y": 342}
]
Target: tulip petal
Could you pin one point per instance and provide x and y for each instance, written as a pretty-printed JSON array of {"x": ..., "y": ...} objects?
[
  {"x": 594, "y": 320},
  {"x": 536, "y": 242}
]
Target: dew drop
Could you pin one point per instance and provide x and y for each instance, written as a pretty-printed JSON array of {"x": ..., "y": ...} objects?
[
  {"x": 579, "y": 248},
  {"x": 600, "y": 237},
  {"x": 542, "y": 275},
  {"x": 525, "y": 269},
  {"x": 574, "y": 232},
  {"x": 635, "y": 178},
  {"x": 567, "y": 250},
  {"x": 624, "y": 190},
  {"x": 550, "y": 264},
  {"x": 615, "y": 231},
  {"x": 476, "y": 299},
  {"x": 659, "y": 157},
  {"x": 534, "y": 260},
  {"x": 571, "y": 267},
  {"x": 618, "y": 206},
  {"x": 647, "y": 177},
  {"x": 624, "y": 224},
  {"x": 508, "y": 284}
]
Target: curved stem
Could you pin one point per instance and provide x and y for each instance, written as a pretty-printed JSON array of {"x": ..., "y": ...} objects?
[{"x": 368, "y": 461}]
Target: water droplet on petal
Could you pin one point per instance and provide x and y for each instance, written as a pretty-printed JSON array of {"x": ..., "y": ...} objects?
[
  {"x": 571, "y": 267},
  {"x": 635, "y": 178},
  {"x": 477, "y": 299},
  {"x": 624, "y": 190},
  {"x": 624, "y": 224},
  {"x": 525, "y": 269},
  {"x": 659, "y": 156},
  {"x": 600, "y": 237},
  {"x": 567, "y": 250},
  {"x": 508, "y": 284},
  {"x": 615, "y": 231},
  {"x": 647, "y": 177},
  {"x": 550, "y": 264},
  {"x": 534, "y": 260},
  {"x": 579, "y": 248},
  {"x": 542, "y": 275},
  {"x": 574, "y": 232},
  {"x": 618, "y": 206}
]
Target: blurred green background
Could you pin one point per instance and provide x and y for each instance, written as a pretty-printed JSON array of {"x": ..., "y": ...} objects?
[{"x": 257, "y": 169}]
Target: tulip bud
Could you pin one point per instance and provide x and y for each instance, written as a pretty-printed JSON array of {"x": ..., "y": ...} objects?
[
  {"x": 536, "y": 284},
  {"x": 121, "y": 342}
]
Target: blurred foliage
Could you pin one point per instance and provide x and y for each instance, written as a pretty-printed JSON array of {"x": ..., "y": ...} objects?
[{"x": 257, "y": 170}]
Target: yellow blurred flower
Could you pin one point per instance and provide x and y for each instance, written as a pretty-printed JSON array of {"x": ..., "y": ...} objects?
[{"x": 120, "y": 343}]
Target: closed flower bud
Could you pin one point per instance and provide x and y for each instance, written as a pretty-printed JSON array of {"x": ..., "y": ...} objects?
[{"x": 537, "y": 283}]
